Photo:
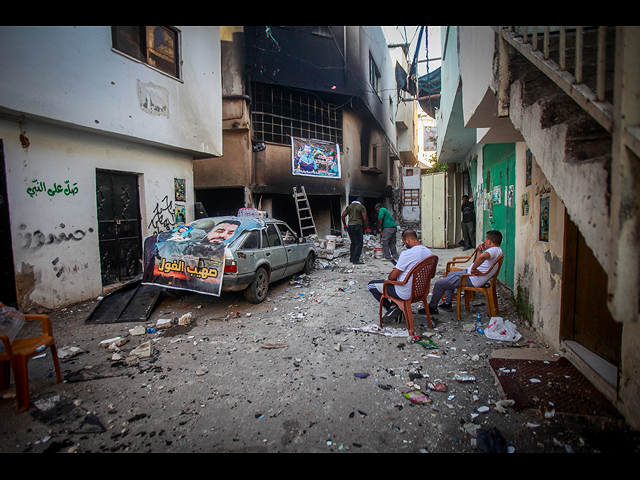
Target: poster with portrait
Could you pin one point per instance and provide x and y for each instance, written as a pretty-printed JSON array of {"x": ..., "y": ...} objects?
[
  {"x": 191, "y": 257},
  {"x": 525, "y": 204},
  {"x": 544, "y": 219},
  {"x": 315, "y": 158},
  {"x": 528, "y": 168}
]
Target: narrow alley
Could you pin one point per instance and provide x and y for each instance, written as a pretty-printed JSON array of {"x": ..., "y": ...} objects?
[{"x": 306, "y": 371}]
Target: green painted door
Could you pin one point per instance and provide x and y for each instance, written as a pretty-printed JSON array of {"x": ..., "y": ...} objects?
[{"x": 499, "y": 179}]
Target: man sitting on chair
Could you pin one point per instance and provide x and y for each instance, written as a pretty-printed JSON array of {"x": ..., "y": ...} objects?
[
  {"x": 408, "y": 259},
  {"x": 480, "y": 271}
]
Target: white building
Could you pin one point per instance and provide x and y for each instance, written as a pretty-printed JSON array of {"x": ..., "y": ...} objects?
[
  {"x": 99, "y": 127},
  {"x": 544, "y": 121}
]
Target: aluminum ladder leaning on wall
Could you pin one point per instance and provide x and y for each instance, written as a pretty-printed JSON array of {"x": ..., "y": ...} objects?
[{"x": 303, "y": 208}]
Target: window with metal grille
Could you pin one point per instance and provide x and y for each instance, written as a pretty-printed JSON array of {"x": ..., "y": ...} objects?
[
  {"x": 411, "y": 197},
  {"x": 279, "y": 114}
]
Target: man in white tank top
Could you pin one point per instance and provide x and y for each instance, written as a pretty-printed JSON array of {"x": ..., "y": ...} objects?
[{"x": 482, "y": 270}]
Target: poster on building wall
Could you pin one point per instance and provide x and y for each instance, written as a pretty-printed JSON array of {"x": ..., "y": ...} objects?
[
  {"x": 180, "y": 189},
  {"x": 315, "y": 158},
  {"x": 192, "y": 257},
  {"x": 430, "y": 139},
  {"x": 528, "y": 168},
  {"x": 525, "y": 204},
  {"x": 544, "y": 219}
]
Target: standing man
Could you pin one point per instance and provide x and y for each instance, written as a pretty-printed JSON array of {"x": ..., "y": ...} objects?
[
  {"x": 414, "y": 253},
  {"x": 481, "y": 271},
  {"x": 468, "y": 223},
  {"x": 358, "y": 223},
  {"x": 388, "y": 228}
]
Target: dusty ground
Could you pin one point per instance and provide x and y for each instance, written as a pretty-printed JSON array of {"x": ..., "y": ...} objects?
[{"x": 212, "y": 386}]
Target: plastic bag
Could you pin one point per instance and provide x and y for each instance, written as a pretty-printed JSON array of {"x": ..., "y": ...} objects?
[
  {"x": 11, "y": 321},
  {"x": 500, "y": 329}
]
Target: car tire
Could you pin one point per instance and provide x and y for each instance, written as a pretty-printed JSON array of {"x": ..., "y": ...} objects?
[
  {"x": 257, "y": 291},
  {"x": 309, "y": 264}
]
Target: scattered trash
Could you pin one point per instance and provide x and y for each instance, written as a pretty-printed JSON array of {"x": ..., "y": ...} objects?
[
  {"x": 464, "y": 378},
  {"x": 11, "y": 321},
  {"x": 386, "y": 331},
  {"x": 275, "y": 345},
  {"x": 500, "y": 329},
  {"x": 361, "y": 375},
  {"x": 428, "y": 344},
  {"x": 416, "y": 396},
  {"x": 437, "y": 387},
  {"x": 501, "y": 405}
]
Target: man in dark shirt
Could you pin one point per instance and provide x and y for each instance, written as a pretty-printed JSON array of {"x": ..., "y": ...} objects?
[
  {"x": 358, "y": 224},
  {"x": 468, "y": 223}
]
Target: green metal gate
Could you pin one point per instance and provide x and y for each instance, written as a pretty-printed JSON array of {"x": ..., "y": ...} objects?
[{"x": 499, "y": 179}]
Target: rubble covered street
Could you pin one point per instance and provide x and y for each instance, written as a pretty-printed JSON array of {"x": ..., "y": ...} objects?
[{"x": 302, "y": 372}]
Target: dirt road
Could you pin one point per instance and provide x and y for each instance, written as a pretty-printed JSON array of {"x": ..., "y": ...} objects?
[{"x": 297, "y": 373}]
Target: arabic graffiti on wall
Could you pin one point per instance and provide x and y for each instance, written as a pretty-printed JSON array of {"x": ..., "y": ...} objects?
[
  {"x": 41, "y": 187},
  {"x": 163, "y": 216},
  {"x": 38, "y": 239}
]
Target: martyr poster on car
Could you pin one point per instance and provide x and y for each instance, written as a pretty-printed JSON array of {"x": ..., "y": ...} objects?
[
  {"x": 191, "y": 257},
  {"x": 315, "y": 158}
]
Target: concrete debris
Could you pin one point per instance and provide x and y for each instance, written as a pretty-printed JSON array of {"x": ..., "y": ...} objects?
[
  {"x": 137, "y": 330},
  {"x": 143, "y": 351},
  {"x": 67, "y": 352}
]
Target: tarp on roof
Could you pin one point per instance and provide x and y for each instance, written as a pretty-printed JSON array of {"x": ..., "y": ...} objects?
[{"x": 430, "y": 85}]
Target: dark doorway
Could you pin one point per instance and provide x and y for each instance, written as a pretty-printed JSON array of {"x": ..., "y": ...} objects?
[
  {"x": 119, "y": 229},
  {"x": 585, "y": 315},
  {"x": 221, "y": 201},
  {"x": 8, "y": 279}
]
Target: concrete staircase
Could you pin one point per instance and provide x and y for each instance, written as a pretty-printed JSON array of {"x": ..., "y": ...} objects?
[{"x": 571, "y": 147}]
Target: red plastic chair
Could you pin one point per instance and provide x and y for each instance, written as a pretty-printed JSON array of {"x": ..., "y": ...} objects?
[
  {"x": 20, "y": 351},
  {"x": 422, "y": 273}
]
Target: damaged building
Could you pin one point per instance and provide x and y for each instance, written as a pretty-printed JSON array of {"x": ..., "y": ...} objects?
[
  {"x": 544, "y": 121},
  {"x": 109, "y": 135},
  {"x": 333, "y": 89}
]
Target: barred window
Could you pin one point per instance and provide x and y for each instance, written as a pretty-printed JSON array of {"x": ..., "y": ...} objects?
[{"x": 279, "y": 114}]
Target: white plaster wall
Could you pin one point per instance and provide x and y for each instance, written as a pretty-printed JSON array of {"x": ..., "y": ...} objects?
[
  {"x": 476, "y": 66},
  {"x": 58, "y": 274},
  {"x": 538, "y": 265},
  {"x": 72, "y": 75}
]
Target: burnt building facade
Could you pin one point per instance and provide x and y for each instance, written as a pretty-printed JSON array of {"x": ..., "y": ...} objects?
[{"x": 332, "y": 88}]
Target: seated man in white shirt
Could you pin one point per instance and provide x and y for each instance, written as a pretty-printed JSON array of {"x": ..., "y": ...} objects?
[
  {"x": 414, "y": 253},
  {"x": 481, "y": 272}
]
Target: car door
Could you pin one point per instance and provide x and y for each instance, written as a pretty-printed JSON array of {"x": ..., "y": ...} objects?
[
  {"x": 275, "y": 253},
  {"x": 296, "y": 256},
  {"x": 249, "y": 254}
]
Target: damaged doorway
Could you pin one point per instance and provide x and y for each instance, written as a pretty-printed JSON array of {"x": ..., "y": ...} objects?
[
  {"x": 8, "y": 282},
  {"x": 585, "y": 317},
  {"x": 119, "y": 225}
]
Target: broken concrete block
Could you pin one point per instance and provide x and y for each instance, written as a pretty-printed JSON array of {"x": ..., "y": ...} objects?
[
  {"x": 143, "y": 351},
  {"x": 66, "y": 353},
  {"x": 163, "y": 323},
  {"x": 137, "y": 330},
  {"x": 117, "y": 340}
]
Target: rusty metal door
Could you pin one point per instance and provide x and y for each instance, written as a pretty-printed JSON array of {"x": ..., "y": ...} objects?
[{"x": 119, "y": 226}]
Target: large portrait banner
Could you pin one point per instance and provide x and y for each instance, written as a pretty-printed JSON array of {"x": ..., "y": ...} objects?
[
  {"x": 315, "y": 158},
  {"x": 192, "y": 257}
]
